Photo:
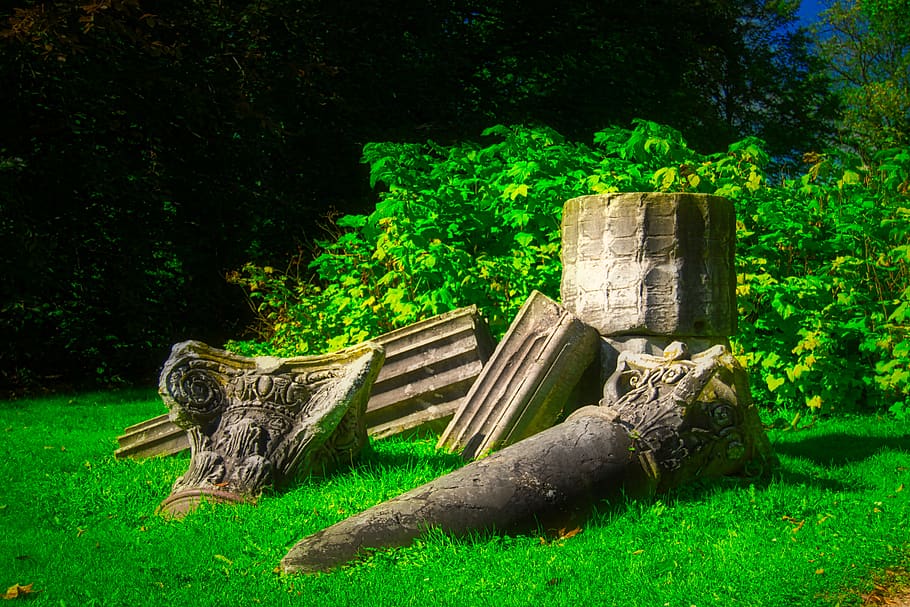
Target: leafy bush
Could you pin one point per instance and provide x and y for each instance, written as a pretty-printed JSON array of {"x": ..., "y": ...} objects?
[{"x": 823, "y": 286}]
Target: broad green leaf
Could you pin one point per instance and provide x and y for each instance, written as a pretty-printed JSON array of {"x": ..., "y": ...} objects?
[{"x": 774, "y": 382}]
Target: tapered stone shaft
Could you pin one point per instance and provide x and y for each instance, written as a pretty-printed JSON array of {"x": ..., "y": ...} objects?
[
  {"x": 545, "y": 479},
  {"x": 526, "y": 383},
  {"x": 682, "y": 417}
]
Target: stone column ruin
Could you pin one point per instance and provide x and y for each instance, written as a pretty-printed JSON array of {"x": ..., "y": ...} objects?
[
  {"x": 650, "y": 264},
  {"x": 654, "y": 276}
]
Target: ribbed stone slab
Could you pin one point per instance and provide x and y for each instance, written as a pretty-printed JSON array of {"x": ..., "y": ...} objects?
[
  {"x": 526, "y": 383},
  {"x": 156, "y": 436},
  {"x": 428, "y": 370},
  {"x": 650, "y": 263}
]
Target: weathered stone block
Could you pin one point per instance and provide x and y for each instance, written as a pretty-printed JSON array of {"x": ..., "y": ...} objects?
[
  {"x": 526, "y": 382},
  {"x": 428, "y": 370},
  {"x": 650, "y": 264}
]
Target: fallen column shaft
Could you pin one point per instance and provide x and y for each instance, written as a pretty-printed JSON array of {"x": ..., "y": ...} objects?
[
  {"x": 543, "y": 479},
  {"x": 682, "y": 417}
]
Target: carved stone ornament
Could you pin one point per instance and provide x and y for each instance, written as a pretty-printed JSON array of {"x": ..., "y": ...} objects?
[
  {"x": 688, "y": 417},
  {"x": 254, "y": 422}
]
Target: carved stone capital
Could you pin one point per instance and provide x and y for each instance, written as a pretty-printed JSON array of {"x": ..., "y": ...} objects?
[
  {"x": 261, "y": 421},
  {"x": 687, "y": 416}
]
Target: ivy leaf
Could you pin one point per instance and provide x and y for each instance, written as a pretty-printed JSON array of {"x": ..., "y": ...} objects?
[
  {"x": 524, "y": 239},
  {"x": 514, "y": 190},
  {"x": 352, "y": 221},
  {"x": 774, "y": 382}
]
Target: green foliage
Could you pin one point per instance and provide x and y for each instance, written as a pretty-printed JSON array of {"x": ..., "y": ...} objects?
[
  {"x": 148, "y": 147},
  {"x": 470, "y": 224},
  {"x": 823, "y": 285},
  {"x": 823, "y": 282}
]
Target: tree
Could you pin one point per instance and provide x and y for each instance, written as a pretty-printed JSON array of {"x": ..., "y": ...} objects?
[
  {"x": 148, "y": 147},
  {"x": 761, "y": 79},
  {"x": 866, "y": 46}
]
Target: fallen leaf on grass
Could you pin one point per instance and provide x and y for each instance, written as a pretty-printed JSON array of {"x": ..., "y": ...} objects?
[
  {"x": 18, "y": 592},
  {"x": 564, "y": 535},
  {"x": 797, "y": 525},
  {"x": 560, "y": 534}
]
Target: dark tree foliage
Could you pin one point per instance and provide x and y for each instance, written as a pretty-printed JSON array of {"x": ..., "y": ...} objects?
[{"x": 148, "y": 147}]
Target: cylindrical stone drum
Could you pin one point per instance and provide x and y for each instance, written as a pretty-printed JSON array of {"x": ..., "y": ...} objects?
[{"x": 651, "y": 263}]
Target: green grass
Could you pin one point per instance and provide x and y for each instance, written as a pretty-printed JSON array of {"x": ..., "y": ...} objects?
[{"x": 80, "y": 526}]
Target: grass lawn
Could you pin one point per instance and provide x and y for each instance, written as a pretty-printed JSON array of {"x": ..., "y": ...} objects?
[{"x": 80, "y": 527}]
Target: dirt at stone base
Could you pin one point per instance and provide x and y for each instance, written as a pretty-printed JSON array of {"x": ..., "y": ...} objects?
[
  {"x": 896, "y": 600},
  {"x": 892, "y": 589}
]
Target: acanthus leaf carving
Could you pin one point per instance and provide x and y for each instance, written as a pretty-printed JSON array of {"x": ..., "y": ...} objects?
[
  {"x": 252, "y": 422},
  {"x": 686, "y": 415}
]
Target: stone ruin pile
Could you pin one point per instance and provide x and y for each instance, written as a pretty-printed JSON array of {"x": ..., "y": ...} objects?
[{"x": 636, "y": 360}]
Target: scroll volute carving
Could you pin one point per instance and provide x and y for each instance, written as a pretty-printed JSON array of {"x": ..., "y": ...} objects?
[
  {"x": 261, "y": 421},
  {"x": 688, "y": 417}
]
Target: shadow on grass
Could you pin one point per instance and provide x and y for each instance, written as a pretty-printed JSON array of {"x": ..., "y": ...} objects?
[
  {"x": 841, "y": 448},
  {"x": 798, "y": 479},
  {"x": 372, "y": 459},
  {"x": 375, "y": 458}
]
